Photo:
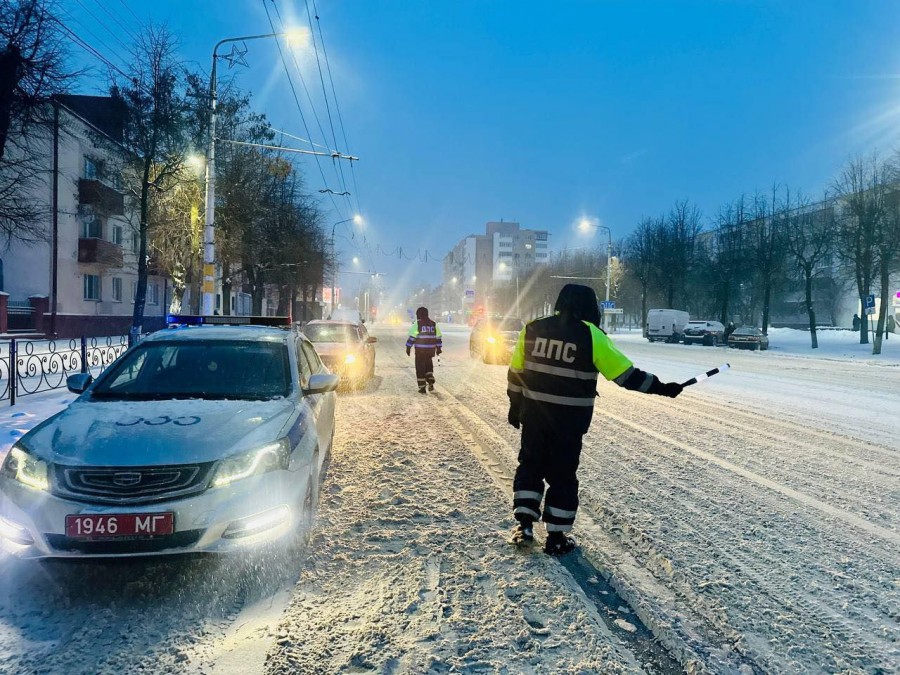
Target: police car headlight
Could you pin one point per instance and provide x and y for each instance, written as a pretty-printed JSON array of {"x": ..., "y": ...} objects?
[
  {"x": 490, "y": 339},
  {"x": 270, "y": 457},
  {"x": 350, "y": 359},
  {"x": 24, "y": 467}
]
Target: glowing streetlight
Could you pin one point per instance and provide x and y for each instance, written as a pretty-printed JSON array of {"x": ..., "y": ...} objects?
[
  {"x": 209, "y": 245},
  {"x": 355, "y": 260}
]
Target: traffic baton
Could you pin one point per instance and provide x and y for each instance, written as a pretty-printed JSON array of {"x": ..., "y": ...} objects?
[{"x": 706, "y": 375}]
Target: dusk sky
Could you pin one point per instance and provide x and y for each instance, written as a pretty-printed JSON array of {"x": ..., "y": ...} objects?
[{"x": 463, "y": 112}]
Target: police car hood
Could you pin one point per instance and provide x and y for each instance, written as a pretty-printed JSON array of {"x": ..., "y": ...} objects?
[{"x": 142, "y": 433}]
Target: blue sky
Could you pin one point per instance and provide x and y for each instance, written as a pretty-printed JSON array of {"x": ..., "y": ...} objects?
[{"x": 467, "y": 111}]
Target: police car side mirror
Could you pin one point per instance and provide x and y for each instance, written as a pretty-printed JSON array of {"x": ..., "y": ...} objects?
[
  {"x": 320, "y": 384},
  {"x": 372, "y": 340},
  {"x": 77, "y": 384}
]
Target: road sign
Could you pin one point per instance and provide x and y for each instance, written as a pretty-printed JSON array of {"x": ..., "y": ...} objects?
[
  {"x": 608, "y": 304},
  {"x": 615, "y": 311},
  {"x": 870, "y": 304},
  {"x": 470, "y": 294}
]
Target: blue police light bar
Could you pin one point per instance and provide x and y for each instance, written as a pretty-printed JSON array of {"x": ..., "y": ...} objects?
[{"x": 199, "y": 320}]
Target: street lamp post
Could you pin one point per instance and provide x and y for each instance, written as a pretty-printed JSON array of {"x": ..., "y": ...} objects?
[
  {"x": 356, "y": 219},
  {"x": 209, "y": 246}
]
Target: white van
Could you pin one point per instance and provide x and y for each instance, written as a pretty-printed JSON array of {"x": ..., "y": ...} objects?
[{"x": 666, "y": 324}]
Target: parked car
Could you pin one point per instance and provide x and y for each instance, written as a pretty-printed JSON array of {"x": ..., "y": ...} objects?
[
  {"x": 748, "y": 337},
  {"x": 346, "y": 349},
  {"x": 493, "y": 339},
  {"x": 666, "y": 325},
  {"x": 199, "y": 439},
  {"x": 709, "y": 333}
]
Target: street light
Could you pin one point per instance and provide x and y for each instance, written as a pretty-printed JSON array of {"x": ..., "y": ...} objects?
[
  {"x": 586, "y": 225},
  {"x": 209, "y": 246},
  {"x": 357, "y": 219}
]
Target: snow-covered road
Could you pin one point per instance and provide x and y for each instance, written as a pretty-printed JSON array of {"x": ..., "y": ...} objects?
[{"x": 753, "y": 524}]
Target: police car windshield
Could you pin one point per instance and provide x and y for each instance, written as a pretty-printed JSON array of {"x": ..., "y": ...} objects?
[
  {"x": 330, "y": 333},
  {"x": 200, "y": 369}
]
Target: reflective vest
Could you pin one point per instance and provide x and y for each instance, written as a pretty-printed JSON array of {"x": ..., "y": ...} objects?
[
  {"x": 555, "y": 367},
  {"x": 424, "y": 334}
]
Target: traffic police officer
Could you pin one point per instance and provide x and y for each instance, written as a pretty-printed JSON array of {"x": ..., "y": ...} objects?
[
  {"x": 425, "y": 337},
  {"x": 552, "y": 382}
]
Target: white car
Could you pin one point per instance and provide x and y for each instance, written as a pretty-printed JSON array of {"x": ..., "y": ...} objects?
[
  {"x": 709, "y": 333},
  {"x": 198, "y": 439}
]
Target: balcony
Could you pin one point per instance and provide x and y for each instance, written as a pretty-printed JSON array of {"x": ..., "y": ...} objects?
[
  {"x": 102, "y": 197},
  {"x": 100, "y": 252}
]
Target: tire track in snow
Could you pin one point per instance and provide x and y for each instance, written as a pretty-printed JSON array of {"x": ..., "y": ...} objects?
[
  {"x": 728, "y": 567},
  {"x": 799, "y": 497}
]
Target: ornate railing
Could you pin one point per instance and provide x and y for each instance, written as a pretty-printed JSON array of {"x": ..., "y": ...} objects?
[{"x": 32, "y": 366}]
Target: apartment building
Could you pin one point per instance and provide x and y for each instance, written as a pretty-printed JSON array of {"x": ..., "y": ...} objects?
[{"x": 81, "y": 278}]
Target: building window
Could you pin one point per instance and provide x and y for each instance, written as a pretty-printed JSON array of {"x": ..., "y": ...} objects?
[
  {"x": 92, "y": 229},
  {"x": 90, "y": 169},
  {"x": 91, "y": 287},
  {"x": 117, "y": 236},
  {"x": 117, "y": 289},
  {"x": 540, "y": 236},
  {"x": 135, "y": 242},
  {"x": 152, "y": 294}
]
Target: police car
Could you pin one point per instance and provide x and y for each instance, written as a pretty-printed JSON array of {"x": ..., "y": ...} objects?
[{"x": 202, "y": 438}]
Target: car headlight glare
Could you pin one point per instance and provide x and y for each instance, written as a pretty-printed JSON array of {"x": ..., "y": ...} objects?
[
  {"x": 490, "y": 339},
  {"x": 350, "y": 359},
  {"x": 24, "y": 467},
  {"x": 270, "y": 457}
]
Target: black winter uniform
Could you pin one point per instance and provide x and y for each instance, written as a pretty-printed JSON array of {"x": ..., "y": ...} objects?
[
  {"x": 425, "y": 337},
  {"x": 552, "y": 383}
]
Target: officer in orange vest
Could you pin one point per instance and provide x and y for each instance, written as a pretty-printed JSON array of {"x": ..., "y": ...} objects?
[{"x": 551, "y": 384}]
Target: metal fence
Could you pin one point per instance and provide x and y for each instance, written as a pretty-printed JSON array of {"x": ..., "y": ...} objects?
[{"x": 32, "y": 366}]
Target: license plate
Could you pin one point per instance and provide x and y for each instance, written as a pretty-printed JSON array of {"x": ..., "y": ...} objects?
[{"x": 96, "y": 526}]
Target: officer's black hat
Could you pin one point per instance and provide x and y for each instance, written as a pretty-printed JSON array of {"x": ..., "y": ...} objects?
[
  {"x": 422, "y": 313},
  {"x": 579, "y": 302}
]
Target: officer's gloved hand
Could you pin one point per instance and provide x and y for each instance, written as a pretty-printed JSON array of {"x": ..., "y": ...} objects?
[
  {"x": 671, "y": 389},
  {"x": 513, "y": 418},
  {"x": 407, "y": 351}
]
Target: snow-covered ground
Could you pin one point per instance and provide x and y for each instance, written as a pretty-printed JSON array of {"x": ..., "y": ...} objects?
[{"x": 753, "y": 524}]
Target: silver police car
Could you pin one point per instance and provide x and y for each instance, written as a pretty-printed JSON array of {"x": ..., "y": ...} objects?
[{"x": 202, "y": 438}]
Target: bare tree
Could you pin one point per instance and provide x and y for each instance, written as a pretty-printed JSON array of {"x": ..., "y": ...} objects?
[
  {"x": 767, "y": 249},
  {"x": 155, "y": 133},
  {"x": 642, "y": 253},
  {"x": 676, "y": 257},
  {"x": 887, "y": 235},
  {"x": 861, "y": 188},
  {"x": 809, "y": 234},
  {"x": 728, "y": 259},
  {"x": 32, "y": 69}
]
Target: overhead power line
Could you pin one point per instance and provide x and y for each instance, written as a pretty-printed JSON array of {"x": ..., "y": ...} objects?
[
  {"x": 337, "y": 105},
  {"x": 284, "y": 148},
  {"x": 297, "y": 103}
]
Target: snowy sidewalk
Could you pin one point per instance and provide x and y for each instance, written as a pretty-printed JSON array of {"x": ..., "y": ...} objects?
[{"x": 410, "y": 572}]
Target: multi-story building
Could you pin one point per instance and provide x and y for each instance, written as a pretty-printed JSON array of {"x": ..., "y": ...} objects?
[
  {"x": 516, "y": 252},
  {"x": 81, "y": 278},
  {"x": 480, "y": 263}
]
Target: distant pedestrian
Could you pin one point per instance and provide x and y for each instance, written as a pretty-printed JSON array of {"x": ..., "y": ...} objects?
[
  {"x": 729, "y": 329},
  {"x": 552, "y": 385},
  {"x": 856, "y": 322},
  {"x": 425, "y": 338}
]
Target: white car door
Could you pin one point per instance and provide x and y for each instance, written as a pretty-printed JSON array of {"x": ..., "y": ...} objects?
[{"x": 322, "y": 405}]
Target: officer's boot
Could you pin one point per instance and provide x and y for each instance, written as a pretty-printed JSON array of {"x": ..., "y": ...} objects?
[
  {"x": 558, "y": 543},
  {"x": 523, "y": 533}
]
